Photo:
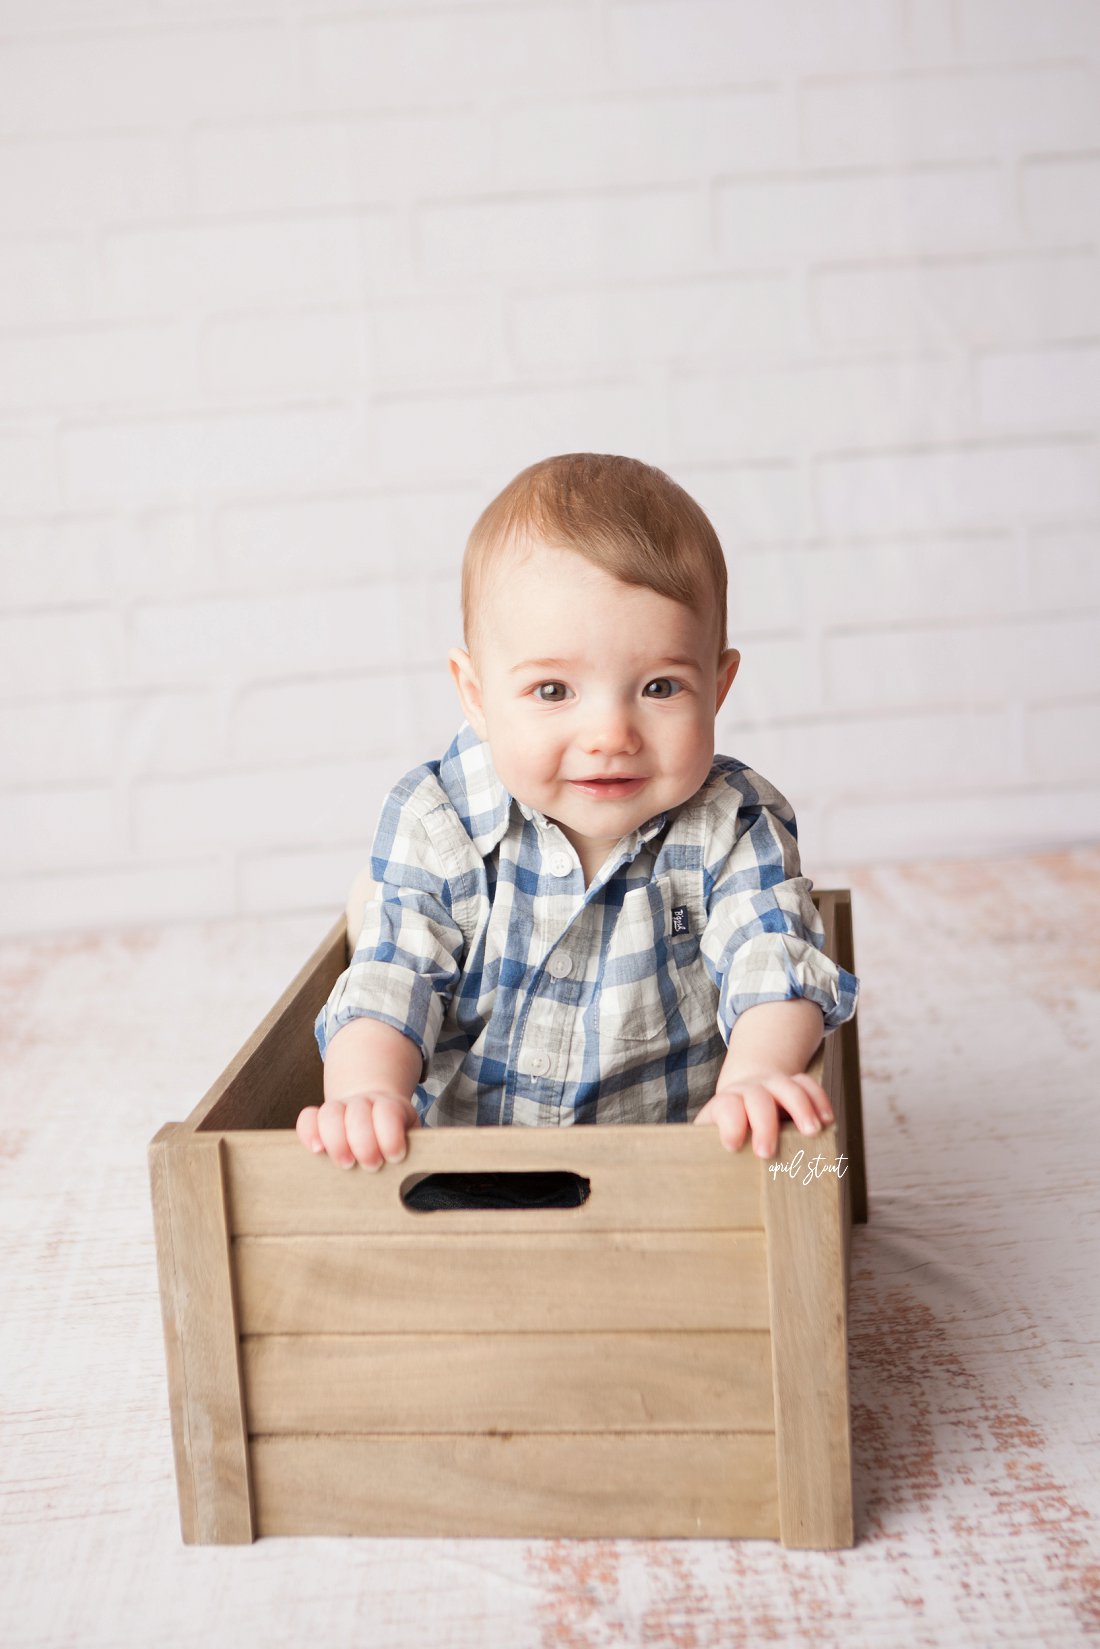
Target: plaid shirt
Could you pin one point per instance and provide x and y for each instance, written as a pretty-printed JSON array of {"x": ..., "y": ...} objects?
[{"x": 536, "y": 1000}]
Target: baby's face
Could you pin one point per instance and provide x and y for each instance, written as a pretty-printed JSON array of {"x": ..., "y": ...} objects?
[{"x": 597, "y": 698}]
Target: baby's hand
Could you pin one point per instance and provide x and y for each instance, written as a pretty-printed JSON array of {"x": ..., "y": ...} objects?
[
  {"x": 756, "y": 1100},
  {"x": 362, "y": 1130}
]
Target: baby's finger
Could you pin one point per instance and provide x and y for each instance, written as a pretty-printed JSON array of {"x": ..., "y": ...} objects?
[
  {"x": 796, "y": 1102},
  {"x": 389, "y": 1129},
  {"x": 764, "y": 1117},
  {"x": 359, "y": 1127},
  {"x": 732, "y": 1119},
  {"x": 726, "y": 1112},
  {"x": 330, "y": 1122},
  {"x": 307, "y": 1130},
  {"x": 817, "y": 1094}
]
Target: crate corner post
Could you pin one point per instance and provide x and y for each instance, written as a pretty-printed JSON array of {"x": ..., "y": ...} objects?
[
  {"x": 803, "y": 1223},
  {"x": 202, "y": 1347}
]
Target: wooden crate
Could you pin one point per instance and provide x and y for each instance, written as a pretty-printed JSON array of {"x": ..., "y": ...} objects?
[{"x": 667, "y": 1359}]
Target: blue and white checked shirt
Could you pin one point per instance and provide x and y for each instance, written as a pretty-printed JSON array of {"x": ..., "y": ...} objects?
[{"x": 536, "y": 1000}]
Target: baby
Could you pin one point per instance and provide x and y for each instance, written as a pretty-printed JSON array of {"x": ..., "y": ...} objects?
[{"x": 582, "y": 914}]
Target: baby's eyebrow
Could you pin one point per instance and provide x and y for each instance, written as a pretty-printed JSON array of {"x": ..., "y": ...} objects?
[
  {"x": 542, "y": 664},
  {"x": 566, "y": 663}
]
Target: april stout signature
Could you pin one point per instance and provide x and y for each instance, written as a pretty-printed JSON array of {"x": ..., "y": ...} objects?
[{"x": 815, "y": 1168}]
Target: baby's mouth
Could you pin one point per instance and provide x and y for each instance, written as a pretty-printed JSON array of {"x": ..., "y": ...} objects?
[{"x": 607, "y": 787}]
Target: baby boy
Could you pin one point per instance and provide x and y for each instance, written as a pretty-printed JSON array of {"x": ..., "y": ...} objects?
[{"x": 581, "y": 913}]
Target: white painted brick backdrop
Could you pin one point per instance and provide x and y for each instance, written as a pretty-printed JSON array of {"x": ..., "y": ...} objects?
[{"x": 289, "y": 288}]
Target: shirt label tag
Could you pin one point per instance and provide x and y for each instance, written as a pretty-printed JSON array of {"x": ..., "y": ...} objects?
[{"x": 679, "y": 919}]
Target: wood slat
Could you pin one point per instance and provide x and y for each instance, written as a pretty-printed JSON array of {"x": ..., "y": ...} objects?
[
  {"x": 279, "y": 1070},
  {"x": 849, "y": 1041},
  {"x": 804, "y": 1215},
  {"x": 643, "y": 1177},
  {"x": 832, "y": 1068},
  {"x": 476, "y": 1284},
  {"x": 664, "y": 1486},
  {"x": 499, "y": 1382},
  {"x": 201, "y": 1338},
  {"x": 172, "y": 1320}
]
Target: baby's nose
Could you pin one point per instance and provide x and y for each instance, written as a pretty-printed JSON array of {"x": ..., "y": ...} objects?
[{"x": 613, "y": 731}]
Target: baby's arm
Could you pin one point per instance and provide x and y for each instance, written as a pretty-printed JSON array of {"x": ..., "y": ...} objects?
[
  {"x": 370, "y": 1073},
  {"x": 770, "y": 1046},
  {"x": 763, "y": 944}
]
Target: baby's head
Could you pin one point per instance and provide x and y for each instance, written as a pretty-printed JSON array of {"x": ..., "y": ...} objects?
[{"x": 594, "y": 611}]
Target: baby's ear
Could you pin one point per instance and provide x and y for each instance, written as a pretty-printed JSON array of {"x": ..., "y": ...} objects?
[
  {"x": 469, "y": 688},
  {"x": 727, "y": 669}
]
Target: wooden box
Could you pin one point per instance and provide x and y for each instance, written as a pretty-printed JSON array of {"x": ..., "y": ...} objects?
[{"x": 668, "y": 1358}]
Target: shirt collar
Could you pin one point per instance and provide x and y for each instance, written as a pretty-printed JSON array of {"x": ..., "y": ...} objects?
[{"x": 467, "y": 774}]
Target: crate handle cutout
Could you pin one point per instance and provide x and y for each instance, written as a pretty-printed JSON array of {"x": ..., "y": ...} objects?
[{"x": 501, "y": 1188}]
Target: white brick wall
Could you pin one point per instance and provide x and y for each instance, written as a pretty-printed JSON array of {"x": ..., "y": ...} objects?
[{"x": 288, "y": 291}]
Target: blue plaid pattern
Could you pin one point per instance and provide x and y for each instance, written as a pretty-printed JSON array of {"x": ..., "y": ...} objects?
[{"x": 536, "y": 1000}]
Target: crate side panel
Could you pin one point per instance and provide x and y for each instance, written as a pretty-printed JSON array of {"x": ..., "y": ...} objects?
[
  {"x": 590, "y": 1382},
  {"x": 279, "y": 1069},
  {"x": 666, "y": 1485}
]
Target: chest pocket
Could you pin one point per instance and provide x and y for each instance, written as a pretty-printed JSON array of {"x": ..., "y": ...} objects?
[{"x": 642, "y": 988}]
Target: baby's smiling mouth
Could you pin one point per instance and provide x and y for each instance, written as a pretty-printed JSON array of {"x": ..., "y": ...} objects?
[{"x": 609, "y": 785}]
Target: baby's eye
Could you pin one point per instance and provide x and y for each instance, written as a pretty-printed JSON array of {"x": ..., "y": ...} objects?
[
  {"x": 551, "y": 692},
  {"x": 662, "y": 687}
]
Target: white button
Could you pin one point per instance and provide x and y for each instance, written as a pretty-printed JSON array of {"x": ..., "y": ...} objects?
[
  {"x": 560, "y": 964},
  {"x": 537, "y": 1064},
  {"x": 561, "y": 864}
]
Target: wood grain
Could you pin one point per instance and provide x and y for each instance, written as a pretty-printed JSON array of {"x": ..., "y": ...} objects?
[
  {"x": 675, "y": 1380},
  {"x": 804, "y": 1219},
  {"x": 466, "y": 1284},
  {"x": 709, "y": 1484},
  {"x": 278, "y": 1070},
  {"x": 201, "y": 1337}
]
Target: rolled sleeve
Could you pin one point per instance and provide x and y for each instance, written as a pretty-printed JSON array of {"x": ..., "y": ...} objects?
[
  {"x": 764, "y": 939},
  {"x": 408, "y": 957}
]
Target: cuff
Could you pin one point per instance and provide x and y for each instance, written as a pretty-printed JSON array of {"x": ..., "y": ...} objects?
[
  {"x": 777, "y": 967},
  {"x": 381, "y": 990}
]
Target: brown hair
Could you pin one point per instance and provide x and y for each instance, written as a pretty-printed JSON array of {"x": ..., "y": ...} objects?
[{"x": 624, "y": 516}]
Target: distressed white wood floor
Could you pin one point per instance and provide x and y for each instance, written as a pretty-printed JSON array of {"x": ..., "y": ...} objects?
[{"x": 976, "y": 1395}]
